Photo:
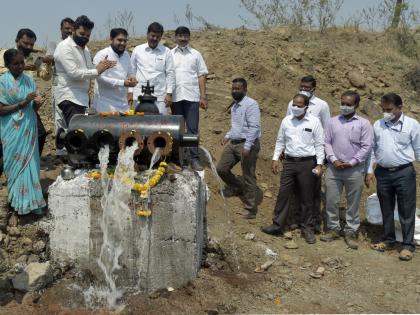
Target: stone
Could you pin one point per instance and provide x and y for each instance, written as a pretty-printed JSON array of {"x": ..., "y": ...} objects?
[
  {"x": 291, "y": 245},
  {"x": 38, "y": 246},
  {"x": 297, "y": 54},
  {"x": 13, "y": 231},
  {"x": 356, "y": 79},
  {"x": 288, "y": 235},
  {"x": 249, "y": 236},
  {"x": 162, "y": 251},
  {"x": 268, "y": 194},
  {"x": 32, "y": 258},
  {"x": 22, "y": 259},
  {"x": 36, "y": 276},
  {"x": 6, "y": 291},
  {"x": 26, "y": 242}
]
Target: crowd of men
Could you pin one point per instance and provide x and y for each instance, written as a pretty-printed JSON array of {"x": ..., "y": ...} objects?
[{"x": 309, "y": 141}]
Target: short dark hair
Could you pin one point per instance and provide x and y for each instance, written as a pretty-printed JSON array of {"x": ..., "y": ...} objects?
[
  {"x": 10, "y": 54},
  {"x": 66, "y": 20},
  {"x": 353, "y": 94},
  {"x": 242, "y": 81},
  {"x": 309, "y": 79},
  {"x": 83, "y": 21},
  {"x": 155, "y": 27},
  {"x": 117, "y": 31},
  {"x": 25, "y": 31},
  {"x": 305, "y": 98},
  {"x": 182, "y": 30},
  {"x": 392, "y": 98}
]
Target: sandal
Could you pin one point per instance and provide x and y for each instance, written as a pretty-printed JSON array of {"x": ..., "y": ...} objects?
[
  {"x": 405, "y": 255},
  {"x": 381, "y": 246}
]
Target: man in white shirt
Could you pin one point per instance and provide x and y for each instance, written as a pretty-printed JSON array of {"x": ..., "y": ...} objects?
[
  {"x": 111, "y": 86},
  {"x": 74, "y": 70},
  {"x": 396, "y": 146},
  {"x": 301, "y": 137},
  {"x": 153, "y": 62},
  {"x": 320, "y": 109},
  {"x": 190, "y": 87}
]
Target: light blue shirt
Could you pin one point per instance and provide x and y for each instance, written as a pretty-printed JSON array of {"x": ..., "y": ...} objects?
[
  {"x": 245, "y": 122},
  {"x": 395, "y": 144}
]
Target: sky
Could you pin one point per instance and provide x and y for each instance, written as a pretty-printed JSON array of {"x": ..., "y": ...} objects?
[{"x": 44, "y": 16}]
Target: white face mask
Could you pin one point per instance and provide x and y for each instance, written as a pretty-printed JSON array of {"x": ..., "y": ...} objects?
[
  {"x": 306, "y": 93},
  {"x": 298, "y": 111},
  {"x": 346, "y": 110},
  {"x": 389, "y": 116}
]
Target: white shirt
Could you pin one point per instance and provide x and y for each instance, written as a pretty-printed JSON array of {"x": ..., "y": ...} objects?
[
  {"x": 317, "y": 107},
  {"x": 300, "y": 138},
  {"x": 156, "y": 66},
  {"x": 110, "y": 92},
  {"x": 395, "y": 144},
  {"x": 189, "y": 66},
  {"x": 74, "y": 70}
]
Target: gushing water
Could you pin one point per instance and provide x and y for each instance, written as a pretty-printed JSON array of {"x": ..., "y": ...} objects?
[
  {"x": 114, "y": 203},
  {"x": 155, "y": 158}
]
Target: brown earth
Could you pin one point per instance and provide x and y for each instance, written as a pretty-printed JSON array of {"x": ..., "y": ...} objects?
[{"x": 359, "y": 281}]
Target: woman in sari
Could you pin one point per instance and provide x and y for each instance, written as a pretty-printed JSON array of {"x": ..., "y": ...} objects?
[{"x": 18, "y": 133}]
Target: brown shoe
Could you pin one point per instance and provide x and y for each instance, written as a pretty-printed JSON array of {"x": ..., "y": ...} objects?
[
  {"x": 351, "y": 240},
  {"x": 330, "y": 236}
]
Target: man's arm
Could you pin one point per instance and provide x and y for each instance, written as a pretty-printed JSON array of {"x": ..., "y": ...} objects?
[
  {"x": 252, "y": 119},
  {"x": 366, "y": 143},
  {"x": 170, "y": 73},
  {"x": 415, "y": 140},
  {"x": 103, "y": 78},
  {"x": 319, "y": 143},
  {"x": 328, "y": 143},
  {"x": 68, "y": 61}
]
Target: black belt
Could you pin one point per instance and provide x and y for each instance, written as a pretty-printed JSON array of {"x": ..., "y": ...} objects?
[
  {"x": 299, "y": 159},
  {"x": 237, "y": 141},
  {"x": 396, "y": 168}
]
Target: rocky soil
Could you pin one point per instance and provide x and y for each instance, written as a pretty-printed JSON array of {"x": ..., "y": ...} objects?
[{"x": 291, "y": 277}]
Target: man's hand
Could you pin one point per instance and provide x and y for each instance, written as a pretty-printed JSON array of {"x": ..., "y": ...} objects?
[
  {"x": 204, "y": 104},
  {"x": 368, "y": 180},
  {"x": 130, "y": 82},
  {"x": 245, "y": 152},
  {"x": 168, "y": 100},
  {"x": 346, "y": 165},
  {"x": 30, "y": 97},
  {"x": 275, "y": 166},
  {"x": 319, "y": 170},
  {"x": 105, "y": 65},
  {"x": 30, "y": 67},
  {"x": 338, "y": 164},
  {"x": 224, "y": 141}
]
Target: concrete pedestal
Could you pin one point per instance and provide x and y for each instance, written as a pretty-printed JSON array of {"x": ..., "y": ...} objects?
[{"x": 162, "y": 251}]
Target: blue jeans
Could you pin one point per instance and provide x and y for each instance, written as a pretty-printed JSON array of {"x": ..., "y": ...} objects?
[{"x": 190, "y": 112}]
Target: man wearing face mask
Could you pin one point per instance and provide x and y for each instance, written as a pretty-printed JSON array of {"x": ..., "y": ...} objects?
[
  {"x": 190, "y": 88},
  {"x": 301, "y": 138},
  {"x": 396, "y": 146},
  {"x": 153, "y": 62},
  {"x": 74, "y": 69},
  {"x": 320, "y": 109},
  {"x": 241, "y": 144},
  {"x": 111, "y": 86},
  {"x": 36, "y": 65},
  {"x": 348, "y": 141}
]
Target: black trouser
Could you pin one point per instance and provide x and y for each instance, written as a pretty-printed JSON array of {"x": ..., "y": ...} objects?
[
  {"x": 69, "y": 109},
  {"x": 401, "y": 184},
  {"x": 190, "y": 111},
  {"x": 42, "y": 133},
  {"x": 299, "y": 174}
]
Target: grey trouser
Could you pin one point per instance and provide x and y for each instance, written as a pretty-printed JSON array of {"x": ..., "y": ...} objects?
[
  {"x": 190, "y": 112},
  {"x": 59, "y": 120},
  {"x": 402, "y": 184},
  {"x": 232, "y": 154},
  {"x": 352, "y": 180}
]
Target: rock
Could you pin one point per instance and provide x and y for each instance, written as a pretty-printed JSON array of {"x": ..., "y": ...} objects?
[
  {"x": 320, "y": 270},
  {"x": 249, "y": 236},
  {"x": 30, "y": 298},
  {"x": 13, "y": 231},
  {"x": 6, "y": 291},
  {"x": 32, "y": 259},
  {"x": 35, "y": 277},
  {"x": 270, "y": 252},
  {"x": 264, "y": 267},
  {"x": 264, "y": 186},
  {"x": 291, "y": 245},
  {"x": 297, "y": 54},
  {"x": 356, "y": 79},
  {"x": 268, "y": 194},
  {"x": 372, "y": 110},
  {"x": 38, "y": 246},
  {"x": 27, "y": 242},
  {"x": 288, "y": 235},
  {"x": 22, "y": 259}
]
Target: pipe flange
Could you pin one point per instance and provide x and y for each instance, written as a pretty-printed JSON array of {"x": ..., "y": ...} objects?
[
  {"x": 160, "y": 139},
  {"x": 76, "y": 141},
  {"x": 131, "y": 135},
  {"x": 101, "y": 138}
]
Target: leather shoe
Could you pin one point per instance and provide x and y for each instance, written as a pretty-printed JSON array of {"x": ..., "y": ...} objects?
[
  {"x": 272, "y": 229},
  {"x": 309, "y": 236}
]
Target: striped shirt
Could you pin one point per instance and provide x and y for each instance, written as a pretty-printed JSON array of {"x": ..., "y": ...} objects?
[{"x": 245, "y": 122}]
